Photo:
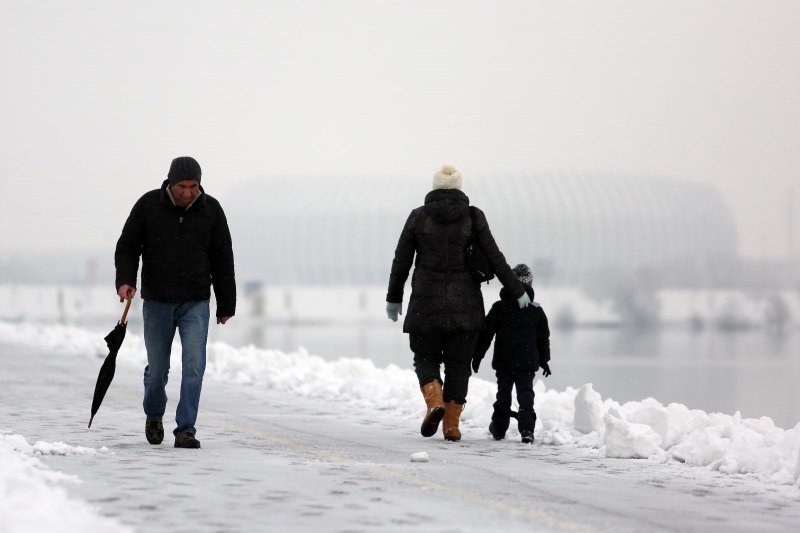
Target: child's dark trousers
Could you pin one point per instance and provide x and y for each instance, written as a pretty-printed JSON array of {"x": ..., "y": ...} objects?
[{"x": 526, "y": 417}]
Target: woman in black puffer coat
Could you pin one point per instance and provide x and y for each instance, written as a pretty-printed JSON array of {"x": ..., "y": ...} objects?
[{"x": 445, "y": 310}]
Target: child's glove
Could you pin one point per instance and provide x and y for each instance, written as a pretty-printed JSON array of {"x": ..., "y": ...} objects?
[
  {"x": 545, "y": 369},
  {"x": 475, "y": 364}
]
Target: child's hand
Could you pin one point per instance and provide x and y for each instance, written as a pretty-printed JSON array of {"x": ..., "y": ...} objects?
[
  {"x": 545, "y": 369},
  {"x": 475, "y": 364}
]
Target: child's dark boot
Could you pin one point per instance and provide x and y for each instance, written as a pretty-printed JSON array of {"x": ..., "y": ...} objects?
[
  {"x": 527, "y": 422},
  {"x": 499, "y": 425}
]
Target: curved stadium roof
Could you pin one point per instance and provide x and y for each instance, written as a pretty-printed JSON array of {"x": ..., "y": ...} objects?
[{"x": 341, "y": 230}]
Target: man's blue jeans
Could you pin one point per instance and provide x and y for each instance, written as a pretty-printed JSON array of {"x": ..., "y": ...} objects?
[{"x": 160, "y": 321}]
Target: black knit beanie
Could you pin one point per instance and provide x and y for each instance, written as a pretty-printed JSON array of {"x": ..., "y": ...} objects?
[
  {"x": 184, "y": 168},
  {"x": 523, "y": 273}
]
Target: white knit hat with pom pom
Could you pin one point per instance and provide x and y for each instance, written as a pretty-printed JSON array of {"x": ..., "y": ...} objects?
[{"x": 447, "y": 178}]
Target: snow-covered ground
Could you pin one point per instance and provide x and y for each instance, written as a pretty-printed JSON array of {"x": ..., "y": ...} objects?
[
  {"x": 30, "y": 496},
  {"x": 724, "y": 450}
]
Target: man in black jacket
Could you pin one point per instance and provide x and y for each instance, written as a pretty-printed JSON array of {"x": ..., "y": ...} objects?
[{"x": 182, "y": 236}]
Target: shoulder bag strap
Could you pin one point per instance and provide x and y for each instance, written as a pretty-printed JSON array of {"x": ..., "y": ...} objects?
[{"x": 472, "y": 222}]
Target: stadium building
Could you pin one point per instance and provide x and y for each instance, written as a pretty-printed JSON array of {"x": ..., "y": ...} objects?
[{"x": 572, "y": 229}]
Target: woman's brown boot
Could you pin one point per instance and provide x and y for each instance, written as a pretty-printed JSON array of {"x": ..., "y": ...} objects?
[
  {"x": 452, "y": 414},
  {"x": 432, "y": 392}
]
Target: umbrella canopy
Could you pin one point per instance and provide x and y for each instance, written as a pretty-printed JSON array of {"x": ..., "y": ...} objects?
[{"x": 113, "y": 341}]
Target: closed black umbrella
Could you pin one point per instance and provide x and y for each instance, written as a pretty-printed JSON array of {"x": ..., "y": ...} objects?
[{"x": 113, "y": 341}]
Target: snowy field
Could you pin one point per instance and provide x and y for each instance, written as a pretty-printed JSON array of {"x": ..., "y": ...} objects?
[{"x": 673, "y": 435}]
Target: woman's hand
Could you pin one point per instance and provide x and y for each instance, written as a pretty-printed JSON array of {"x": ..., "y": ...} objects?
[
  {"x": 393, "y": 310},
  {"x": 524, "y": 300}
]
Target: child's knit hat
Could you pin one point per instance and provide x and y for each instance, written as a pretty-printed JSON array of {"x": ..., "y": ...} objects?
[{"x": 524, "y": 274}]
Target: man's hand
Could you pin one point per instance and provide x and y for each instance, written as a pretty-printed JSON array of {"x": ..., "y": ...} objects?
[
  {"x": 222, "y": 319},
  {"x": 125, "y": 292},
  {"x": 545, "y": 369}
]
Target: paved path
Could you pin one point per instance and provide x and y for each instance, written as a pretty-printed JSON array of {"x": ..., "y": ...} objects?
[{"x": 276, "y": 463}]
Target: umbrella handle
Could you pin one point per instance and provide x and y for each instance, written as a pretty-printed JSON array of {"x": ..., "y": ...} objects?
[{"x": 124, "y": 314}]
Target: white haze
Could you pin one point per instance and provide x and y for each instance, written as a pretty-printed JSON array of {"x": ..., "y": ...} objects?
[{"x": 97, "y": 98}]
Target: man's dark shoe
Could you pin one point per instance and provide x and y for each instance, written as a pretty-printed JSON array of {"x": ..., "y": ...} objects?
[
  {"x": 154, "y": 431},
  {"x": 186, "y": 440},
  {"x": 527, "y": 436}
]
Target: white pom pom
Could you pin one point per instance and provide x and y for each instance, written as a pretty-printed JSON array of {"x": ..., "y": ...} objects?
[{"x": 448, "y": 169}]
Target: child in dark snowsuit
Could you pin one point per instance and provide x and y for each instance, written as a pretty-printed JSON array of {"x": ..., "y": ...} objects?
[{"x": 521, "y": 348}]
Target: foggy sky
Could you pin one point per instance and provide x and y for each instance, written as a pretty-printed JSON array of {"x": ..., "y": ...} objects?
[{"x": 98, "y": 97}]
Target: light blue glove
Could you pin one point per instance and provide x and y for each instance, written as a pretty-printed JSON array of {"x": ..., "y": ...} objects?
[
  {"x": 524, "y": 300},
  {"x": 392, "y": 310}
]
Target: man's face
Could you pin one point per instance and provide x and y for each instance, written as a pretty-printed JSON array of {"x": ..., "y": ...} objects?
[{"x": 184, "y": 192}]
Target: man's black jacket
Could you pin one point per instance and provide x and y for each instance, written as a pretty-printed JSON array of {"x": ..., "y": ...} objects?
[{"x": 184, "y": 251}]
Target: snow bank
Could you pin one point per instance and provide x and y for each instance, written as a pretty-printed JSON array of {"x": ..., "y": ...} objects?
[
  {"x": 577, "y": 417},
  {"x": 30, "y": 498}
]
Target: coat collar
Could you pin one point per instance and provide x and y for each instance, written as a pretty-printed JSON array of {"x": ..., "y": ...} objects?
[
  {"x": 446, "y": 205},
  {"x": 505, "y": 294},
  {"x": 166, "y": 197}
]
